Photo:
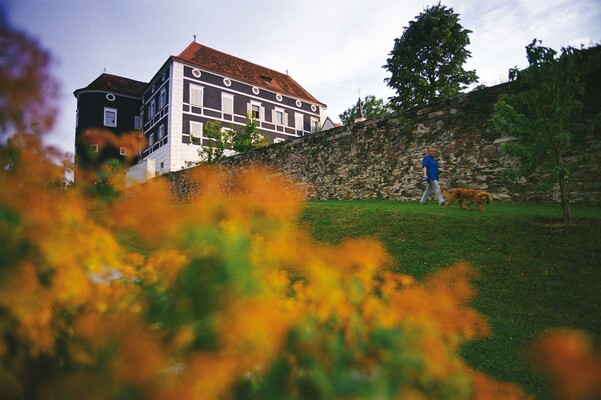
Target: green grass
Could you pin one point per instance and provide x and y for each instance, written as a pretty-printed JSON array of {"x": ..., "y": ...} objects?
[{"x": 535, "y": 273}]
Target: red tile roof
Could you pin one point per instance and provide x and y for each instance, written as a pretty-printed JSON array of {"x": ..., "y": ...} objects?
[
  {"x": 116, "y": 84},
  {"x": 237, "y": 68}
]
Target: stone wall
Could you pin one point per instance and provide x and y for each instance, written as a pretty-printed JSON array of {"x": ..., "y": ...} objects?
[{"x": 381, "y": 159}]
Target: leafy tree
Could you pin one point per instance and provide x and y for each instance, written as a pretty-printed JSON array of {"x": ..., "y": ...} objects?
[
  {"x": 545, "y": 115},
  {"x": 372, "y": 106},
  {"x": 218, "y": 139},
  {"x": 248, "y": 137},
  {"x": 426, "y": 62}
]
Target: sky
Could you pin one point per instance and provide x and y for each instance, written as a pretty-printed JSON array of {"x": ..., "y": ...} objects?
[{"x": 335, "y": 49}]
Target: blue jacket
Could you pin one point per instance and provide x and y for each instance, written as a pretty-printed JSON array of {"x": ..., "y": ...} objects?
[{"x": 431, "y": 167}]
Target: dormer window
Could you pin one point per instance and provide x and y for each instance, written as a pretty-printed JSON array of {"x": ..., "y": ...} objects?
[{"x": 266, "y": 78}]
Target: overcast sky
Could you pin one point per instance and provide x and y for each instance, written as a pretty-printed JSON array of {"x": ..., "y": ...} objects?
[{"x": 334, "y": 48}]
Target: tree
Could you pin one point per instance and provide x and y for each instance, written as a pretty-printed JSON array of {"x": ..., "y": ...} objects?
[
  {"x": 218, "y": 141},
  {"x": 545, "y": 115},
  {"x": 372, "y": 106},
  {"x": 426, "y": 62},
  {"x": 248, "y": 137}
]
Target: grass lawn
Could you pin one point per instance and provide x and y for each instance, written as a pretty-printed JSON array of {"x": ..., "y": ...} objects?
[{"x": 535, "y": 273}]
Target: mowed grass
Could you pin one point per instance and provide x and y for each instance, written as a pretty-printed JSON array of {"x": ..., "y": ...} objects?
[{"x": 535, "y": 273}]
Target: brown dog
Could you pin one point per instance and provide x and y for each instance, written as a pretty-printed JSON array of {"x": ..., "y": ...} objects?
[{"x": 470, "y": 196}]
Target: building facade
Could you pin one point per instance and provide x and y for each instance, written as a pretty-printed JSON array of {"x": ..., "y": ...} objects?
[
  {"x": 200, "y": 85},
  {"x": 112, "y": 103}
]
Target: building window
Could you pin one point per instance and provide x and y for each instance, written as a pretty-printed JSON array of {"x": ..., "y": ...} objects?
[
  {"x": 153, "y": 108},
  {"x": 299, "y": 122},
  {"x": 280, "y": 117},
  {"x": 196, "y": 72},
  {"x": 161, "y": 132},
  {"x": 110, "y": 117},
  {"x": 162, "y": 164},
  {"x": 227, "y": 103},
  {"x": 299, "y": 103},
  {"x": 110, "y": 97},
  {"x": 196, "y": 129},
  {"x": 227, "y": 82},
  {"x": 196, "y": 94},
  {"x": 314, "y": 125},
  {"x": 94, "y": 148},
  {"x": 137, "y": 122},
  {"x": 162, "y": 98},
  {"x": 279, "y": 97},
  {"x": 255, "y": 111},
  {"x": 255, "y": 90},
  {"x": 151, "y": 140},
  {"x": 122, "y": 151}
]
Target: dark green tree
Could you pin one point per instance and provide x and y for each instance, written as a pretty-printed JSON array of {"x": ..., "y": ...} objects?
[
  {"x": 426, "y": 62},
  {"x": 372, "y": 107},
  {"x": 546, "y": 116}
]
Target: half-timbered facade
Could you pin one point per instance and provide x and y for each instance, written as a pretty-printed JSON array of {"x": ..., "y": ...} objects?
[{"x": 202, "y": 84}]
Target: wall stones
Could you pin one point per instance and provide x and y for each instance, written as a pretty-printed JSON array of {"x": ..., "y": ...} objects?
[{"x": 381, "y": 158}]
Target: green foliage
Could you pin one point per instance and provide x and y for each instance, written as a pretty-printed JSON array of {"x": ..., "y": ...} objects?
[
  {"x": 372, "y": 106},
  {"x": 546, "y": 117},
  {"x": 534, "y": 273},
  {"x": 248, "y": 137},
  {"x": 218, "y": 141},
  {"x": 426, "y": 62}
]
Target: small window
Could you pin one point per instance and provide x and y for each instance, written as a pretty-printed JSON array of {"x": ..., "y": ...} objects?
[
  {"x": 298, "y": 103},
  {"x": 151, "y": 139},
  {"x": 110, "y": 117},
  {"x": 153, "y": 108},
  {"x": 278, "y": 97},
  {"x": 255, "y": 90},
  {"x": 255, "y": 111},
  {"x": 137, "y": 122},
  {"x": 196, "y": 72},
  {"x": 161, "y": 132},
  {"x": 94, "y": 148},
  {"x": 313, "y": 108},
  {"x": 122, "y": 151},
  {"x": 110, "y": 97},
  {"x": 162, "y": 98},
  {"x": 196, "y": 129},
  {"x": 196, "y": 94},
  {"x": 314, "y": 125},
  {"x": 227, "y": 103},
  {"x": 162, "y": 165},
  {"x": 227, "y": 82}
]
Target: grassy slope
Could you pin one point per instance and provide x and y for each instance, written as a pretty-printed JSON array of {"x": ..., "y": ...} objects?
[{"x": 535, "y": 273}]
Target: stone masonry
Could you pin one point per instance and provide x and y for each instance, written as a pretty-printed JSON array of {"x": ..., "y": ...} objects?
[{"x": 381, "y": 158}]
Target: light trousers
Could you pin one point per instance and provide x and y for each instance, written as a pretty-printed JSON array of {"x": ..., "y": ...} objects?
[{"x": 432, "y": 185}]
